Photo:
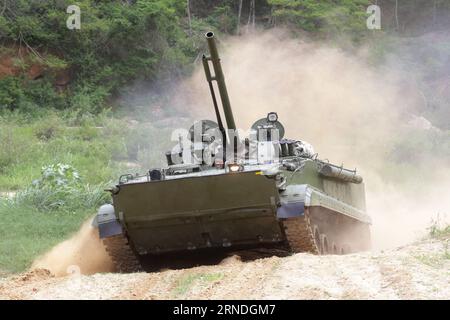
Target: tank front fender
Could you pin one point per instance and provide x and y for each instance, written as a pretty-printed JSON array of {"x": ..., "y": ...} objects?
[
  {"x": 296, "y": 197},
  {"x": 106, "y": 221},
  {"x": 291, "y": 209},
  {"x": 293, "y": 200}
]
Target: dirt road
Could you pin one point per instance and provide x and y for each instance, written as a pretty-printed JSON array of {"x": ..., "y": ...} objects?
[{"x": 417, "y": 271}]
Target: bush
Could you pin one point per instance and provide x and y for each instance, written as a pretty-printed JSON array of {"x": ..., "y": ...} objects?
[
  {"x": 147, "y": 144},
  {"x": 11, "y": 93},
  {"x": 89, "y": 100},
  {"x": 19, "y": 93},
  {"x": 223, "y": 18},
  {"x": 116, "y": 44},
  {"x": 438, "y": 228},
  {"x": 60, "y": 188},
  {"x": 48, "y": 128},
  {"x": 13, "y": 146}
]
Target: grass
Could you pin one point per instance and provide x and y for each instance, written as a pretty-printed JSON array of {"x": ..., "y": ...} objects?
[
  {"x": 27, "y": 150},
  {"x": 186, "y": 282},
  {"x": 98, "y": 147},
  {"x": 437, "y": 231},
  {"x": 440, "y": 232},
  {"x": 435, "y": 260},
  {"x": 27, "y": 233}
]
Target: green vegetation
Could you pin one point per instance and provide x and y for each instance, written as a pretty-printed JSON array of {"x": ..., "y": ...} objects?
[
  {"x": 60, "y": 90},
  {"x": 326, "y": 18},
  {"x": 43, "y": 214},
  {"x": 60, "y": 188},
  {"x": 157, "y": 40},
  {"x": 30, "y": 144},
  {"x": 116, "y": 43},
  {"x": 435, "y": 260},
  {"x": 436, "y": 230},
  {"x": 185, "y": 283},
  {"x": 59, "y": 164},
  {"x": 416, "y": 150},
  {"x": 98, "y": 146},
  {"x": 27, "y": 233}
]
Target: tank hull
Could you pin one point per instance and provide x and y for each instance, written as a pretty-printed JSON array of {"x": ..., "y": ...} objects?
[
  {"x": 199, "y": 212},
  {"x": 243, "y": 209}
]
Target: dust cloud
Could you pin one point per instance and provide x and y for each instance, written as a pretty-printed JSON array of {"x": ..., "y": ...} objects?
[
  {"x": 351, "y": 112},
  {"x": 84, "y": 253}
]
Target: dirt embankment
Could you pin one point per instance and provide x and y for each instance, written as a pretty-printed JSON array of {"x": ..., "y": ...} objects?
[{"x": 416, "y": 271}]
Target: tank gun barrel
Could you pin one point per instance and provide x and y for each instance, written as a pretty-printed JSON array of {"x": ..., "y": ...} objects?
[{"x": 219, "y": 78}]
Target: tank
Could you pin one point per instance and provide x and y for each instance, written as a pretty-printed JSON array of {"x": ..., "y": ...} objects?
[{"x": 221, "y": 189}]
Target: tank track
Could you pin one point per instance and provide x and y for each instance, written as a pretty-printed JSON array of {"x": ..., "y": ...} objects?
[
  {"x": 299, "y": 235},
  {"x": 320, "y": 231},
  {"x": 122, "y": 255}
]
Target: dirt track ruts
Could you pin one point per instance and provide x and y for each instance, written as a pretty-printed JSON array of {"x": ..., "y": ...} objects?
[{"x": 417, "y": 271}]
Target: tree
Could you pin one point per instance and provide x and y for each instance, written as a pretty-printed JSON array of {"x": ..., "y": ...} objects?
[
  {"x": 118, "y": 41},
  {"x": 239, "y": 18},
  {"x": 322, "y": 17},
  {"x": 188, "y": 9}
]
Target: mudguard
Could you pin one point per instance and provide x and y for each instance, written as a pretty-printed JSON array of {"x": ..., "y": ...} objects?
[
  {"x": 296, "y": 197},
  {"x": 106, "y": 221},
  {"x": 293, "y": 201}
]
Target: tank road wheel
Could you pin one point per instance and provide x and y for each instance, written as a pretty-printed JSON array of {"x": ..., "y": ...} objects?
[
  {"x": 344, "y": 234},
  {"x": 299, "y": 235},
  {"x": 335, "y": 249},
  {"x": 324, "y": 242},
  {"x": 319, "y": 228},
  {"x": 122, "y": 255},
  {"x": 318, "y": 239}
]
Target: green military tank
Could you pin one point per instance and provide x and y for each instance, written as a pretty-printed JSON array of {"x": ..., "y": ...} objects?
[{"x": 223, "y": 190}]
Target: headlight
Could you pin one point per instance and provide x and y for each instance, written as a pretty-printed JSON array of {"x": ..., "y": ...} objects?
[
  {"x": 218, "y": 163},
  {"x": 234, "y": 167},
  {"x": 272, "y": 117}
]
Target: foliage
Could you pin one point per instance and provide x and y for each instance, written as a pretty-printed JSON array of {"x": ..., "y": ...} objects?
[
  {"x": 61, "y": 188},
  {"x": 28, "y": 233},
  {"x": 48, "y": 128},
  {"x": 57, "y": 176},
  {"x": 11, "y": 94},
  {"x": 120, "y": 41},
  {"x": 223, "y": 18},
  {"x": 26, "y": 95},
  {"x": 34, "y": 140},
  {"x": 326, "y": 16},
  {"x": 152, "y": 40},
  {"x": 438, "y": 229},
  {"x": 185, "y": 283},
  {"x": 13, "y": 147},
  {"x": 99, "y": 146},
  {"x": 117, "y": 42},
  {"x": 47, "y": 211}
]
